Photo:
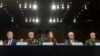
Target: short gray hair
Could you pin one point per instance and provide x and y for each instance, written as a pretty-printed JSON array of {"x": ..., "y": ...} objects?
[
  {"x": 70, "y": 33},
  {"x": 9, "y": 32}
]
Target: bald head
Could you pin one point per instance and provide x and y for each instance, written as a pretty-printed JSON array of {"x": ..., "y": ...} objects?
[
  {"x": 92, "y": 35},
  {"x": 10, "y": 35},
  {"x": 71, "y": 35}
]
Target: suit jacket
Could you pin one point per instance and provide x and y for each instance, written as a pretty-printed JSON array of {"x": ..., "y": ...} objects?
[
  {"x": 13, "y": 42},
  {"x": 67, "y": 41}
]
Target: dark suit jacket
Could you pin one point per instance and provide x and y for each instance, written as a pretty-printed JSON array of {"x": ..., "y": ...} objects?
[
  {"x": 67, "y": 41},
  {"x": 13, "y": 42}
]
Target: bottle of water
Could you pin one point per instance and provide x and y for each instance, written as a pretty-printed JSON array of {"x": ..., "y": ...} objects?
[{"x": 39, "y": 42}]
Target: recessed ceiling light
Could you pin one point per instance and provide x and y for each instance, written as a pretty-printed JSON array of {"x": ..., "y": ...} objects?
[
  {"x": 74, "y": 20},
  {"x": 20, "y": 5},
  {"x": 35, "y": 7},
  {"x": 25, "y": 6},
  {"x": 53, "y": 7},
  {"x": 68, "y": 6},
  {"x": 85, "y": 6}
]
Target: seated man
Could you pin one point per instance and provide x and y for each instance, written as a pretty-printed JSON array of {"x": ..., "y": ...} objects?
[
  {"x": 10, "y": 41},
  {"x": 92, "y": 40},
  {"x": 70, "y": 39},
  {"x": 31, "y": 40}
]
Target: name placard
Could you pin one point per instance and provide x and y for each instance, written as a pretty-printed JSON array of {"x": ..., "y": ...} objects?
[
  {"x": 21, "y": 43},
  {"x": 1, "y": 43},
  {"x": 77, "y": 44},
  {"x": 47, "y": 43},
  {"x": 97, "y": 43}
]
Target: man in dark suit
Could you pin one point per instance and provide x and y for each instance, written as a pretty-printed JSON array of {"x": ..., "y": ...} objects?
[
  {"x": 10, "y": 41},
  {"x": 70, "y": 39}
]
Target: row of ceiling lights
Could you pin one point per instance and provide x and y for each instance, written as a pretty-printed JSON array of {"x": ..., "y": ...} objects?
[
  {"x": 53, "y": 8},
  {"x": 31, "y": 6},
  {"x": 34, "y": 6},
  {"x": 37, "y": 20},
  {"x": 34, "y": 20}
]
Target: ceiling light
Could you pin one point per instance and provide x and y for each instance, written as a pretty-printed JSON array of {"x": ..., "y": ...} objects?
[
  {"x": 74, "y": 20},
  {"x": 35, "y": 6},
  {"x": 20, "y": 5},
  {"x": 70, "y": 2},
  {"x": 58, "y": 7},
  {"x": 17, "y": 1},
  {"x": 57, "y": 20},
  {"x": 25, "y": 6},
  {"x": 79, "y": 13},
  {"x": 30, "y": 20},
  {"x": 5, "y": 9},
  {"x": 7, "y": 12},
  {"x": 82, "y": 10},
  {"x": 65, "y": 12},
  {"x": 33, "y": 20},
  {"x": 68, "y": 6},
  {"x": 77, "y": 16},
  {"x": 1, "y": 5},
  {"x": 37, "y": 20},
  {"x": 62, "y": 6},
  {"x": 30, "y": 6},
  {"x": 88, "y": 2},
  {"x": 61, "y": 21},
  {"x": 50, "y": 20},
  {"x": 26, "y": 20},
  {"x": 12, "y": 19},
  {"x": 85, "y": 6},
  {"x": 53, "y": 7},
  {"x": 54, "y": 21}
]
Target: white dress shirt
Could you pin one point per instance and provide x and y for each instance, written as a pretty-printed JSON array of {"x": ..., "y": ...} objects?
[
  {"x": 9, "y": 42},
  {"x": 71, "y": 41}
]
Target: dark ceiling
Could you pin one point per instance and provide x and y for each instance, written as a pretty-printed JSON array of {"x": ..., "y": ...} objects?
[{"x": 76, "y": 14}]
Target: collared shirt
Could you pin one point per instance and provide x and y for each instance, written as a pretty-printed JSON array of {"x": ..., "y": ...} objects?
[
  {"x": 9, "y": 42},
  {"x": 71, "y": 41}
]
